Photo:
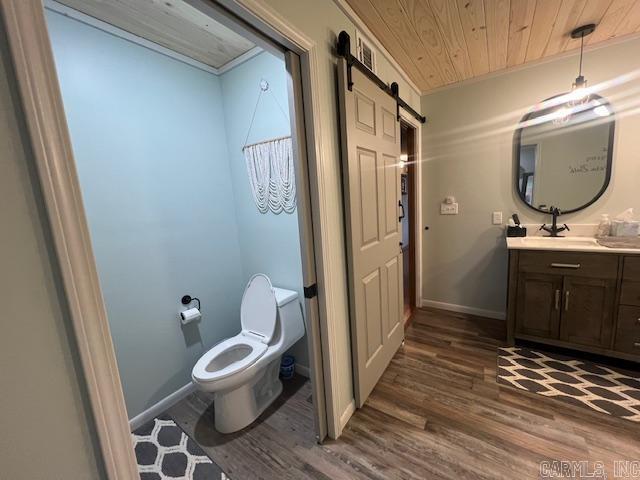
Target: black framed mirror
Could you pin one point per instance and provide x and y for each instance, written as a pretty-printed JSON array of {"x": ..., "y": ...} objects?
[{"x": 563, "y": 152}]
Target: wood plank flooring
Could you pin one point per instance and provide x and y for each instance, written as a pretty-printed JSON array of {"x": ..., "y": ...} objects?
[{"x": 436, "y": 413}]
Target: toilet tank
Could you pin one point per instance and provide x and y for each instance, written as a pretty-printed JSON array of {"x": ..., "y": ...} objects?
[{"x": 290, "y": 319}]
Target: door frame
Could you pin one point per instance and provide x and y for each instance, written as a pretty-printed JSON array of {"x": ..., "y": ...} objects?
[
  {"x": 36, "y": 77},
  {"x": 410, "y": 250},
  {"x": 417, "y": 211}
]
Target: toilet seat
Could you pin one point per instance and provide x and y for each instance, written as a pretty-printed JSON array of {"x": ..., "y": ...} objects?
[
  {"x": 228, "y": 357},
  {"x": 258, "y": 314}
]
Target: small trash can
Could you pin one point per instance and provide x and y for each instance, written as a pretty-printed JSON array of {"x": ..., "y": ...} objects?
[{"x": 287, "y": 367}]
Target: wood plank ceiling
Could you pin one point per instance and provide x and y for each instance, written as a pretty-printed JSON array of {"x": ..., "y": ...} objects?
[
  {"x": 440, "y": 42},
  {"x": 174, "y": 24}
]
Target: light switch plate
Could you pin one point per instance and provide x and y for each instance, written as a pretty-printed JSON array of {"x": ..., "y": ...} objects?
[
  {"x": 448, "y": 209},
  {"x": 497, "y": 218}
]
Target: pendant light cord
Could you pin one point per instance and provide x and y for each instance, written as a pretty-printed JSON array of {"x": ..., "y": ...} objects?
[{"x": 581, "y": 51}]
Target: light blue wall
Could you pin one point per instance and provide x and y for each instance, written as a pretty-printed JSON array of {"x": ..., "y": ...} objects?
[
  {"x": 158, "y": 147},
  {"x": 269, "y": 242},
  {"x": 149, "y": 140}
]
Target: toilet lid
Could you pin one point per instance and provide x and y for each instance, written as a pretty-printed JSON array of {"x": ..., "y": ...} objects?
[{"x": 259, "y": 309}]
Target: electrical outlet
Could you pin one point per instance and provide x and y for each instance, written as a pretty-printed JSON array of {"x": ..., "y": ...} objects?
[
  {"x": 448, "y": 209},
  {"x": 497, "y": 218}
]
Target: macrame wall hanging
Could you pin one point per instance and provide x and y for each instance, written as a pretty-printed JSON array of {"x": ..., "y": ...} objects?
[{"x": 270, "y": 167}]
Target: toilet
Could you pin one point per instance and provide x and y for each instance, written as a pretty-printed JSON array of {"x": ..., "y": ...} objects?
[{"x": 243, "y": 370}]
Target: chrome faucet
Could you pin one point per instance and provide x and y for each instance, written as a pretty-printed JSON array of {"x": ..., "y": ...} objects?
[{"x": 554, "y": 230}]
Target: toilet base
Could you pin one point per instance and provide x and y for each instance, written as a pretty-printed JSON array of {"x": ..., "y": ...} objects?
[{"x": 238, "y": 408}]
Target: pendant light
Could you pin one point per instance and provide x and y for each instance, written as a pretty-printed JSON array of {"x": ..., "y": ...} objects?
[
  {"x": 579, "y": 94},
  {"x": 580, "y": 85}
]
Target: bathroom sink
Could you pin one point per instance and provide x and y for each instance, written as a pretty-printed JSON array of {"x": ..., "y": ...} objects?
[{"x": 553, "y": 242}]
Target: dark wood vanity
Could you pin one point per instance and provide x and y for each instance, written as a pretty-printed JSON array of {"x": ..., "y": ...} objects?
[{"x": 579, "y": 300}]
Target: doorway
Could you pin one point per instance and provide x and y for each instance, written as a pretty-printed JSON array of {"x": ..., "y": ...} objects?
[
  {"x": 408, "y": 187},
  {"x": 71, "y": 227}
]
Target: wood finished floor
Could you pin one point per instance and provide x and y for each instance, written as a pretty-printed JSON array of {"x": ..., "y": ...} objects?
[{"x": 436, "y": 413}]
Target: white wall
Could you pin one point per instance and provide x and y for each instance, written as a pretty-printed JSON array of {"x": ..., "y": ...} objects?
[
  {"x": 322, "y": 21},
  {"x": 467, "y": 152},
  {"x": 45, "y": 419}
]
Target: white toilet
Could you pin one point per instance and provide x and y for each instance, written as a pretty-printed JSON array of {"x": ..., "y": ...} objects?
[{"x": 243, "y": 370}]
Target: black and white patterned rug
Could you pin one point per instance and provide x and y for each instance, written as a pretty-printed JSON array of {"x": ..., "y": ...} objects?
[
  {"x": 578, "y": 382},
  {"x": 164, "y": 451}
]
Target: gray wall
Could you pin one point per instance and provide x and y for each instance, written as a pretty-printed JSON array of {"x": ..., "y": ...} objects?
[
  {"x": 467, "y": 152},
  {"x": 44, "y": 412},
  {"x": 148, "y": 135}
]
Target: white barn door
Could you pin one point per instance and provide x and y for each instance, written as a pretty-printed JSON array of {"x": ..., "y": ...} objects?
[{"x": 370, "y": 156}]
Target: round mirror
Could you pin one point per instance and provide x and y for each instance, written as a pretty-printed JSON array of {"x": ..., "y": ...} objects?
[{"x": 563, "y": 152}]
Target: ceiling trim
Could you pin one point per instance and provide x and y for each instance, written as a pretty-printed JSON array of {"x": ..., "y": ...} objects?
[
  {"x": 248, "y": 55},
  {"x": 360, "y": 25},
  {"x": 534, "y": 63},
  {"x": 123, "y": 34}
]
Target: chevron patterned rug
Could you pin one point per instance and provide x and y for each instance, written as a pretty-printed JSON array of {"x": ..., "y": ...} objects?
[{"x": 603, "y": 389}]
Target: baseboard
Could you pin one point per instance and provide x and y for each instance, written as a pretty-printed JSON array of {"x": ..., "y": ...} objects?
[
  {"x": 302, "y": 370},
  {"x": 346, "y": 415},
  {"x": 452, "y": 307},
  {"x": 161, "y": 406}
]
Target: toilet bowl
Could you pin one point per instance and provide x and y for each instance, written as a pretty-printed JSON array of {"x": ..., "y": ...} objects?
[{"x": 243, "y": 370}]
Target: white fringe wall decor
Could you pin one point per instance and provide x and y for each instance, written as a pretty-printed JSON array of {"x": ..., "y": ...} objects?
[
  {"x": 271, "y": 175},
  {"x": 270, "y": 167}
]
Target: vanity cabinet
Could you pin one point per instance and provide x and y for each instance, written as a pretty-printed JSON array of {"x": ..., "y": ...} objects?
[
  {"x": 587, "y": 311},
  {"x": 583, "y": 301},
  {"x": 538, "y": 305}
]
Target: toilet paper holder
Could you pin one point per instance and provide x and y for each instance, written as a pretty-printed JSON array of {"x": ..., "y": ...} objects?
[{"x": 187, "y": 299}]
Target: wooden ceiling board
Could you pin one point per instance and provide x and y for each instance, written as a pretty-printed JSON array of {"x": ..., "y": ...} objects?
[
  {"x": 474, "y": 26},
  {"x": 171, "y": 23},
  {"x": 631, "y": 22},
  {"x": 543, "y": 19},
  {"x": 608, "y": 27},
  {"x": 427, "y": 29},
  {"x": 520, "y": 20},
  {"x": 496, "y": 13},
  {"x": 567, "y": 20},
  {"x": 450, "y": 26},
  {"x": 593, "y": 12},
  {"x": 397, "y": 20},
  {"x": 448, "y": 41}
]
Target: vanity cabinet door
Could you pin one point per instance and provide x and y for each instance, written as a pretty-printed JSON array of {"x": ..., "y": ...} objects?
[
  {"x": 538, "y": 304},
  {"x": 628, "y": 332},
  {"x": 587, "y": 311}
]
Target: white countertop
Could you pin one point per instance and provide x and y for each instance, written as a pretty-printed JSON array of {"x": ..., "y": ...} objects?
[
  {"x": 564, "y": 244},
  {"x": 581, "y": 239}
]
